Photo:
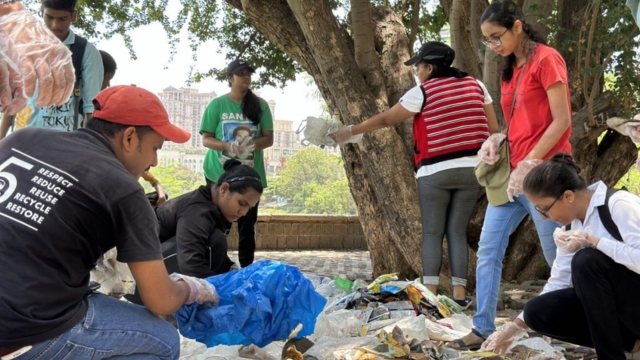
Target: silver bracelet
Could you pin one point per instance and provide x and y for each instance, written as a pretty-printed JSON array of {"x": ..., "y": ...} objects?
[{"x": 7, "y": 2}]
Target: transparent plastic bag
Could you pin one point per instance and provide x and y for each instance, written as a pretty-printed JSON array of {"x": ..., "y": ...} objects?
[{"x": 114, "y": 277}]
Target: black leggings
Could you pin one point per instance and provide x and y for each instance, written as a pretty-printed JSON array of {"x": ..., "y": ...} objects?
[{"x": 601, "y": 310}]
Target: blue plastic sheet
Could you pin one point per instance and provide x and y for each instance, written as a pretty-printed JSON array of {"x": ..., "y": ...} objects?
[{"x": 259, "y": 304}]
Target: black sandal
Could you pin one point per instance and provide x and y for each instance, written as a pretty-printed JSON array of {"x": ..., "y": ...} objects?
[{"x": 461, "y": 346}]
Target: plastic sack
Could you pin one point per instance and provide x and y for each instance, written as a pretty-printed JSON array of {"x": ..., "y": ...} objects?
[
  {"x": 114, "y": 277},
  {"x": 317, "y": 131},
  {"x": 325, "y": 347},
  {"x": 259, "y": 304}
]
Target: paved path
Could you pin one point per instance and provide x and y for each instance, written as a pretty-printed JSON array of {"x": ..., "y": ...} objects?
[{"x": 352, "y": 264}]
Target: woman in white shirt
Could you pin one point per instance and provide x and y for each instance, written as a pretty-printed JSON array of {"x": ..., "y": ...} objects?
[
  {"x": 452, "y": 117},
  {"x": 591, "y": 298}
]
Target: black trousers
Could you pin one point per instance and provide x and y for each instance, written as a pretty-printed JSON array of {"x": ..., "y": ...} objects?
[
  {"x": 600, "y": 311},
  {"x": 246, "y": 234}
]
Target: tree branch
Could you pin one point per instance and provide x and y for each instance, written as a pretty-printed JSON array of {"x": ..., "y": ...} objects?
[{"x": 414, "y": 23}]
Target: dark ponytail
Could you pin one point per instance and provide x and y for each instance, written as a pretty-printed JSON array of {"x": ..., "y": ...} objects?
[
  {"x": 240, "y": 177},
  {"x": 553, "y": 177},
  {"x": 505, "y": 13},
  {"x": 251, "y": 107}
]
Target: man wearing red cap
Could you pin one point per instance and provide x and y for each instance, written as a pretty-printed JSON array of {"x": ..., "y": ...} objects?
[{"x": 65, "y": 199}]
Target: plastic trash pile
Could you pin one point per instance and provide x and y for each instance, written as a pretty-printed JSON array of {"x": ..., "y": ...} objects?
[{"x": 386, "y": 319}]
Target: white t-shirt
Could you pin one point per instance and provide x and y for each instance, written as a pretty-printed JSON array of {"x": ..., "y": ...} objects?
[{"x": 412, "y": 101}]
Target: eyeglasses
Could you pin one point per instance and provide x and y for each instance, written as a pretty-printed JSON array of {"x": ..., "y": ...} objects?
[
  {"x": 545, "y": 212},
  {"x": 495, "y": 40}
]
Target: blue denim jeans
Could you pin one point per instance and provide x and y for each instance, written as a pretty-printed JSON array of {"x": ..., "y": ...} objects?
[
  {"x": 112, "y": 329},
  {"x": 499, "y": 223}
]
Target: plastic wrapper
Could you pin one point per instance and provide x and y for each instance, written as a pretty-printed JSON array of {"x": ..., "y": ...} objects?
[
  {"x": 572, "y": 240},
  {"x": 325, "y": 347},
  {"x": 341, "y": 323},
  {"x": 413, "y": 328},
  {"x": 259, "y": 304},
  {"x": 38, "y": 55},
  {"x": 458, "y": 322},
  {"x": 114, "y": 277}
]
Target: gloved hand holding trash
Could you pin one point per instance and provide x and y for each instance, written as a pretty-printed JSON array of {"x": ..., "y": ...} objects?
[
  {"x": 37, "y": 54},
  {"x": 503, "y": 339},
  {"x": 202, "y": 292},
  {"x": 517, "y": 177},
  {"x": 489, "y": 150},
  {"x": 574, "y": 240},
  {"x": 242, "y": 148},
  {"x": 345, "y": 135}
]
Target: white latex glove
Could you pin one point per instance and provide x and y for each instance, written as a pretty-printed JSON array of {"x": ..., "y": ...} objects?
[
  {"x": 202, "y": 291},
  {"x": 574, "y": 240},
  {"x": 633, "y": 130},
  {"x": 489, "y": 150},
  {"x": 517, "y": 177},
  {"x": 243, "y": 148},
  {"x": 503, "y": 339},
  {"x": 343, "y": 134},
  {"x": 38, "y": 55}
]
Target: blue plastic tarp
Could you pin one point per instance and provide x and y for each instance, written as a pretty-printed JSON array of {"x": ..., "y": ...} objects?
[{"x": 259, "y": 304}]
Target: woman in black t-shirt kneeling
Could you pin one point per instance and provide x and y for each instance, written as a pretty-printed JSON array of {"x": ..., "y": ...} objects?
[{"x": 193, "y": 227}]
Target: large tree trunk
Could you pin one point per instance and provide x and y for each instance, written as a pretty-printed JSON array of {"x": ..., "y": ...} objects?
[{"x": 383, "y": 155}]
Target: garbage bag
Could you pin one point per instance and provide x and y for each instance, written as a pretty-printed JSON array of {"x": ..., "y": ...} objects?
[{"x": 259, "y": 304}]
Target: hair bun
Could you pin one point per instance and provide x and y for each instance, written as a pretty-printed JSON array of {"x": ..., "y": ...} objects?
[
  {"x": 230, "y": 164},
  {"x": 565, "y": 159}
]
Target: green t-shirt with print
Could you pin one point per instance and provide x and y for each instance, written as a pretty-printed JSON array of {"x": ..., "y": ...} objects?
[{"x": 223, "y": 117}]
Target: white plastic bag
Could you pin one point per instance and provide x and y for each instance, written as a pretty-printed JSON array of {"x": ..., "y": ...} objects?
[{"x": 114, "y": 277}]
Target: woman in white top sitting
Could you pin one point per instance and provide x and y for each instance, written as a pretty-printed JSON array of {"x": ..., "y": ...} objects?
[{"x": 591, "y": 298}]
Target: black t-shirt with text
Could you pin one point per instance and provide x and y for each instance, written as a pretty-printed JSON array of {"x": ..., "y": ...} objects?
[
  {"x": 191, "y": 218},
  {"x": 65, "y": 199}
]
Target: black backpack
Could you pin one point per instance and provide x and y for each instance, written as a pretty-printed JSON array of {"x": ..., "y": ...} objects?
[
  {"x": 605, "y": 216},
  {"x": 77, "y": 53}
]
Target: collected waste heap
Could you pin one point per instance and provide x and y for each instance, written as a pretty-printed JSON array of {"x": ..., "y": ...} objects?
[{"x": 386, "y": 319}]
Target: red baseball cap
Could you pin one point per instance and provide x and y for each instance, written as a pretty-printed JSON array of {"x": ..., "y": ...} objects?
[{"x": 134, "y": 106}]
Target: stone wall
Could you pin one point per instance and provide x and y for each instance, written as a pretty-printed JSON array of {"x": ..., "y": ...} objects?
[{"x": 306, "y": 232}]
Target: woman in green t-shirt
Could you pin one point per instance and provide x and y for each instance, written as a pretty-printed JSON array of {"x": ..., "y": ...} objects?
[{"x": 239, "y": 126}]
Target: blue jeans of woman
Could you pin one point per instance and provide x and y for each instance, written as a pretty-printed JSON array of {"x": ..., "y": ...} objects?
[
  {"x": 112, "y": 329},
  {"x": 499, "y": 223}
]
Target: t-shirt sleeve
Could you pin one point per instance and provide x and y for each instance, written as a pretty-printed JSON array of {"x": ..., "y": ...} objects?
[
  {"x": 136, "y": 231},
  {"x": 413, "y": 99},
  {"x": 266, "y": 119},
  {"x": 210, "y": 118},
  {"x": 487, "y": 97},
  {"x": 551, "y": 70},
  {"x": 92, "y": 76}
]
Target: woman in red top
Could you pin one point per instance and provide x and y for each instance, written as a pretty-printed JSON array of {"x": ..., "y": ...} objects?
[{"x": 539, "y": 127}]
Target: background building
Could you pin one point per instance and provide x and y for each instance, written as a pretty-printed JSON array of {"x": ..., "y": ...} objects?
[{"x": 185, "y": 107}]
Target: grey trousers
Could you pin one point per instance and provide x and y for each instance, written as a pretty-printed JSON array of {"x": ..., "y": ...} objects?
[{"x": 447, "y": 200}]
